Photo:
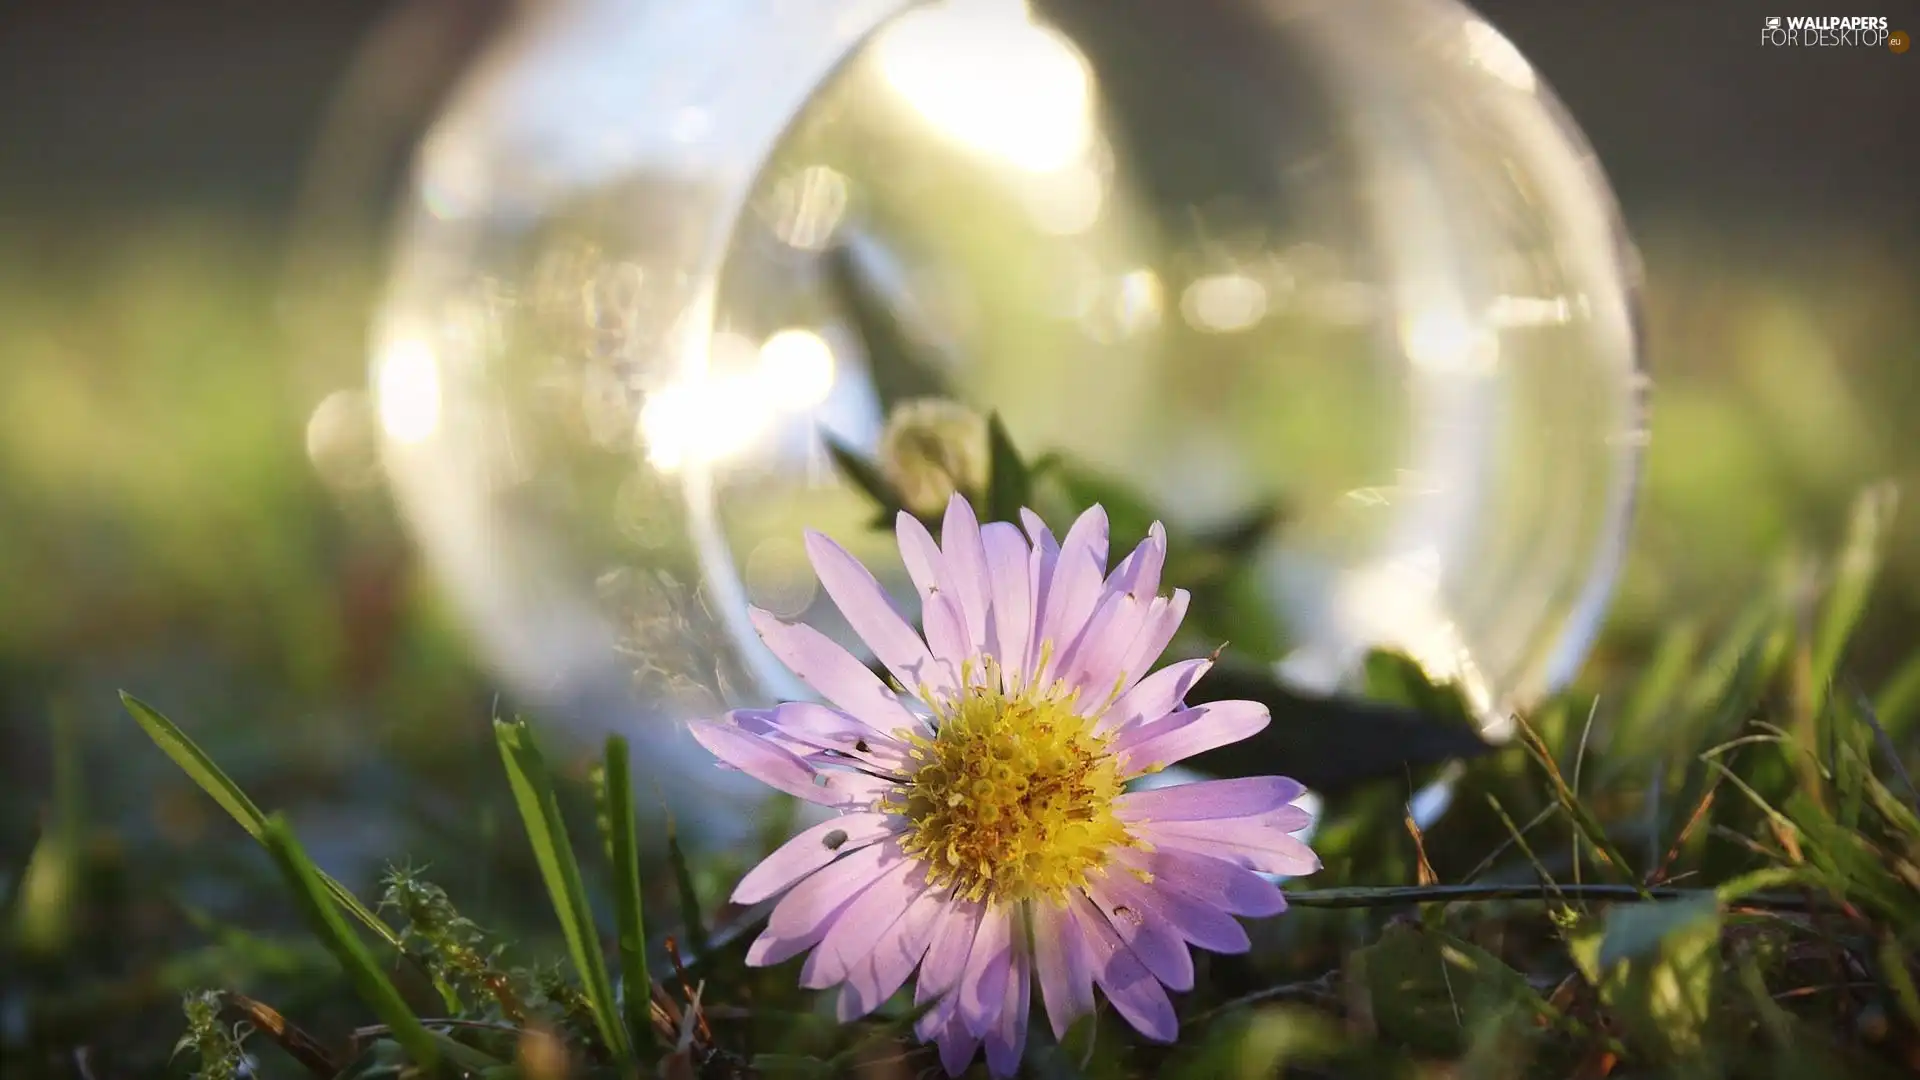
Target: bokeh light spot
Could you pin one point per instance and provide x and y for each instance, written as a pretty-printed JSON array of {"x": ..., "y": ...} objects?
[
  {"x": 409, "y": 391},
  {"x": 987, "y": 77},
  {"x": 1224, "y": 303}
]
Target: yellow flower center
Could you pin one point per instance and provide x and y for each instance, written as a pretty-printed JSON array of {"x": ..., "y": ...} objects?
[{"x": 1013, "y": 798}]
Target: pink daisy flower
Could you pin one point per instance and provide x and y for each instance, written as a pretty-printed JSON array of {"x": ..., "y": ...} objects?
[{"x": 985, "y": 833}]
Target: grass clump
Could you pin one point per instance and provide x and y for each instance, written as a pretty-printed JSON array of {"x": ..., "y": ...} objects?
[{"x": 1706, "y": 868}]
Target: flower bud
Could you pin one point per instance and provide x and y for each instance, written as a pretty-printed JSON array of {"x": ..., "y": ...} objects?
[{"x": 933, "y": 447}]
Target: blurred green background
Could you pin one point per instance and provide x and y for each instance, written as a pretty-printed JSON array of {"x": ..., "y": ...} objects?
[{"x": 187, "y": 249}]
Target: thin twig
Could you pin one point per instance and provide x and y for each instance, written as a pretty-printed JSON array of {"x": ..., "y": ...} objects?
[
  {"x": 1579, "y": 763},
  {"x": 1514, "y": 837},
  {"x": 1422, "y": 865},
  {"x": 1399, "y": 895},
  {"x": 1808, "y": 991},
  {"x": 1520, "y": 840},
  {"x": 361, "y": 1034},
  {"x": 1686, "y": 832},
  {"x": 1320, "y": 987},
  {"x": 1656, "y": 788},
  {"x": 299, "y": 1046}
]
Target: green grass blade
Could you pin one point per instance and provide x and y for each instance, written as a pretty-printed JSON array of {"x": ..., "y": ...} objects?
[
  {"x": 200, "y": 768},
  {"x": 45, "y": 920},
  {"x": 1859, "y": 565},
  {"x": 1650, "y": 706},
  {"x": 540, "y": 811},
  {"x": 1895, "y": 704},
  {"x": 1584, "y": 822},
  {"x": 1772, "y": 877},
  {"x": 463, "y": 1056},
  {"x": 323, "y": 916},
  {"x": 694, "y": 926},
  {"x": 1893, "y": 971},
  {"x": 197, "y": 765},
  {"x": 629, "y": 912}
]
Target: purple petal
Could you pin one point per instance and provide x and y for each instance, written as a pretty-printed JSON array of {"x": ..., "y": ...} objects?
[
  {"x": 1154, "y": 696},
  {"x": 966, "y": 560},
  {"x": 874, "y": 979},
  {"x": 1126, "y": 571},
  {"x": 805, "y": 914},
  {"x": 934, "y": 1020},
  {"x": 1174, "y": 912},
  {"x": 1008, "y": 1039},
  {"x": 1041, "y": 564},
  {"x": 817, "y": 727},
  {"x": 947, "y": 955},
  {"x": 1235, "y": 890},
  {"x": 983, "y": 983},
  {"x": 925, "y": 565},
  {"x": 1066, "y": 971},
  {"x": 1156, "y": 633},
  {"x": 811, "y": 903},
  {"x": 759, "y": 723},
  {"x": 1139, "y": 572},
  {"x": 1093, "y": 521},
  {"x": 1136, "y": 995},
  {"x": 1248, "y": 842},
  {"x": 947, "y": 635},
  {"x": 859, "y": 928},
  {"x": 867, "y": 608},
  {"x": 1245, "y": 796},
  {"x": 957, "y": 1045},
  {"x": 775, "y": 767},
  {"x": 1288, "y": 819},
  {"x": 1038, "y": 532},
  {"x": 1012, "y": 587},
  {"x": 1077, "y": 576},
  {"x": 834, "y": 672},
  {"x": 862, "y": 791},
  {"x": 812, "y": 850},
  {"x": 1180, "y": 736},
  {"x": 1092, "y": 664},
  {"x": 1156, "y": 946}
]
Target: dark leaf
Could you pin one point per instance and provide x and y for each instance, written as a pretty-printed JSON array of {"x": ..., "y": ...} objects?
[
  {"x": 1329, "y": 743},
  {"x": 1229, "y": 606},
  {"x": 1129, "y": 513},
  {"x": 899, "y": 359},
  {"x": 1396, "y": 679},
  {"x": 1655, "y": 966},
  {"x": 1245, "y": 534},
  {"x": 1009, "y": 482},
  {"x": 693, "y": 924},
  {"x": 1431, "y": 991},
  {"x": 866, "y": 476}
]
